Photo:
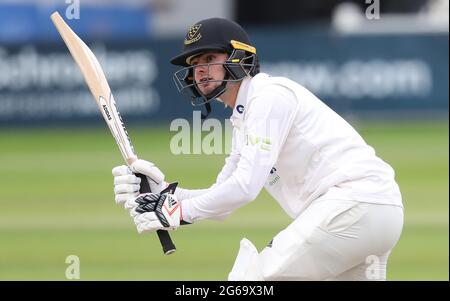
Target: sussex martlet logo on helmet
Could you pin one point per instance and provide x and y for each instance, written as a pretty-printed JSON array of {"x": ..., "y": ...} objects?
[{"x": 193, "y": 34}]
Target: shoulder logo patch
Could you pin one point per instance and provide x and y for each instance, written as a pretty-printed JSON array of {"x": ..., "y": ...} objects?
[{"x": 193, "y": 34}]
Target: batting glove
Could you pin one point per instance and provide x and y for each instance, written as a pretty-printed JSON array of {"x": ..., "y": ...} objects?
[
  {"x": 154, "y": 175},
  {"x": 152, "y": 211},
  {"x": 127, "y": 184}
]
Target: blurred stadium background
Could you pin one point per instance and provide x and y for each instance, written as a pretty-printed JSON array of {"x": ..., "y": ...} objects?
[{"x": 386, "y": 73}]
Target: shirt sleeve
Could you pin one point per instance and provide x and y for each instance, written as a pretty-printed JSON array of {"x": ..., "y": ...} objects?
[
  {"x": 231, "y": 162},
  {"x": 267, "y": 123},
  {"x": 182, "y": 193},
  {"x": 230, "y": 165}
]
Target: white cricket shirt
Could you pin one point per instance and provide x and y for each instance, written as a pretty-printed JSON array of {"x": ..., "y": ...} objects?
[{"x": 286, "y": 140}]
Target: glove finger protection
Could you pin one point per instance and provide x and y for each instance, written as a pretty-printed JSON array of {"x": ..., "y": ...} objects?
[
  {"x": 154, "y": 175},
  {"x": 152, "y": 211},
  {"x": 126, "y": 184}
]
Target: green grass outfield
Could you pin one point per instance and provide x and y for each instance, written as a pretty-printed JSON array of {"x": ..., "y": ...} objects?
[{"x": 56, "y": 199}]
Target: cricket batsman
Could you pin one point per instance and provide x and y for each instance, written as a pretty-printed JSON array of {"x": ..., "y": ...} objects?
[{"x": 345, "y": 205}]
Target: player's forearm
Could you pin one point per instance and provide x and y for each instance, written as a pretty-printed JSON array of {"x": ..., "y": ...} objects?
[
  {"x": 241, "y": 187},
  {"x": 230, "y": 166},
  {"x": 216, "y": 202},
  {"x": 183, "y": 194},
  {"x": 227, "y": 170}
]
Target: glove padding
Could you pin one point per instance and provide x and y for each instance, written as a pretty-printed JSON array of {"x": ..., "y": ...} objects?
[
  {"x": 154, "y": 175},
  {"x": 127, "y": 184},
  {"x": 152, "y": 211}
]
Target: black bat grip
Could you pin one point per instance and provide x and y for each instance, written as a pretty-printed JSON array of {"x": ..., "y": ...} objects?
[{"x": 164, "y": 237}]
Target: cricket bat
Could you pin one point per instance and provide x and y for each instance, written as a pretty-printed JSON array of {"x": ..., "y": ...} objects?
[{"x": 98, "y": 85}]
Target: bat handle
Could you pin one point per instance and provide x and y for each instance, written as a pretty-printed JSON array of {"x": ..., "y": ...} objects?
[
  {"x": 164, "y": 237},
  {"x": 166, "y": 242}
]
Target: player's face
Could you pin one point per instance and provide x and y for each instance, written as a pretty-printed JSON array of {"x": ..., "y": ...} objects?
[{"x": 208, "y": 77}]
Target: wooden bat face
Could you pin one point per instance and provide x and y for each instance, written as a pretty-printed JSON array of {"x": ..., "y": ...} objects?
[
  {"x": 98, "y": 85},
  {"x": 96, "y": 80}
]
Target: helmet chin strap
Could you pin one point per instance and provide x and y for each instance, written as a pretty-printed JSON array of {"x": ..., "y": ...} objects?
[
  {"x": 208, "y": 110},
  {"x": 212, "y": 95}
]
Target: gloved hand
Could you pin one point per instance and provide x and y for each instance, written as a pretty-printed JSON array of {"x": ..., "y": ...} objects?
[
  {"x": 127, "y": 184},
  {"x": 153, "y": 211}
]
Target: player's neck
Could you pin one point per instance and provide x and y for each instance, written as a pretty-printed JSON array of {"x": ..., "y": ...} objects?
[{"x": 229, "y": 97}]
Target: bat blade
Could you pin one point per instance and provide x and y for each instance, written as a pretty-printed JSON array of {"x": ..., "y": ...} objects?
[{"x": 98, "y": 85}]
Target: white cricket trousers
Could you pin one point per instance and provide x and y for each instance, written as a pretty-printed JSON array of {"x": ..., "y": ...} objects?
[{"x": 331, "y": 240}]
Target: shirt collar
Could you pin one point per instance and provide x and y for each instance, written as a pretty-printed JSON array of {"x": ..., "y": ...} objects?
[{"x": 241, "y": 102}]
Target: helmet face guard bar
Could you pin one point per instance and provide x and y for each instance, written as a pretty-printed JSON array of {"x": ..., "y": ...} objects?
[{"x": 235, "y": 69}]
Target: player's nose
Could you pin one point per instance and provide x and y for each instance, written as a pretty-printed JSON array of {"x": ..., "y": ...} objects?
[
  {"x": 200, "y": 69},
  {"x": 199, "y": 72}
]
